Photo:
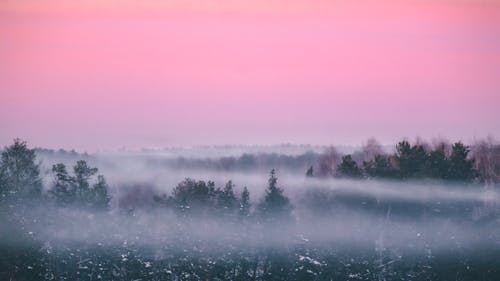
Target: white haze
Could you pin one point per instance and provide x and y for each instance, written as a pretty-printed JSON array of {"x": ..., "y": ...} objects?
[{"x": 347, "y": 224}]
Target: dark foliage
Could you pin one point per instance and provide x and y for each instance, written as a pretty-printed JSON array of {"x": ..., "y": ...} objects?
[
  {"x": 410, "y": 162},
  {"x": 26, "y": 258},
  {"x": 275, "y": 204},
  {"x": 19, "y": 172},
  {"x": 77, "y": 190},
  {"x": 348, "y": 168}
]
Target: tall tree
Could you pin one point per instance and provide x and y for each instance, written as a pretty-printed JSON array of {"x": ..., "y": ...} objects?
[
  {"x": 227, "y": 199},
  {"x": 100, "y": 198},
  {"x": 379, "y": 167},
  {"x": 437, "y": 163},
  {"x": 487, "y": 160},
  {"x": 328, "y": 162},
  {"x": 461, "y": 168},
  {"x": 245, "y": 203},
  {"x": 83, "y": 172},
  {"x": 77, "y": 188},
  {"x": 348, "y": 168},
  {"x": 191, "y": 195},
  {"x": 275, "y": 204},
  {"x": 63, "y": 189},
  {"x": 310, "y": 172},
  {"x": 19, "y": 171},
  {"x": 411, "y": 159}
]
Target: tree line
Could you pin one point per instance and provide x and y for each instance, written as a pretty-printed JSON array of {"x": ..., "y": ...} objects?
[
  {"x": 412, "y": 161},
  {"x": 82, "y": 186},
  {"x": 20, "y": 180}
]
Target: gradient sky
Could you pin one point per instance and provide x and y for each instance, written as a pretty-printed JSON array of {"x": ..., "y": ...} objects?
[{"x": 107, "y": 74}]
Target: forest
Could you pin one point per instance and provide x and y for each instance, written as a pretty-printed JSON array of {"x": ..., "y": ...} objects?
[{"x": 412, "y": 212}]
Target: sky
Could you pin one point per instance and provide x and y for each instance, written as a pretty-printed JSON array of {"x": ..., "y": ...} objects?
[{"x": 107, "y": 74}]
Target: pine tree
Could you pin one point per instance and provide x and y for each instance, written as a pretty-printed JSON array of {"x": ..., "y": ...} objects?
[
  {"x": 411, "y": 159},
  {"x": 437, "y": 163},
  {"x": 63, "y": 189},
  {"x": 310, "y": 172},
  {"x": 348, "y": 168},
  {"x": 227, "y": 199},
  {"x": 461, "y": 168},
  {"x": 245, "y": 203},
  {"x": 19, "y": 172},
  {"x": 379, "y": 167},
  {"x": 100, "y": 196},
  {"x": 193, "y": 196},
  {"x": 83, "y": 173},
  {"x": 275, "y": 203}
]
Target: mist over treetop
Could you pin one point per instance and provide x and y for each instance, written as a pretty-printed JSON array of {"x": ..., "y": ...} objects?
[{"x": 368, "y": 213}]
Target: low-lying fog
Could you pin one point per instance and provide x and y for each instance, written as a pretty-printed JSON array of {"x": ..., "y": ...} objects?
[{"x": 407, "y": 216}]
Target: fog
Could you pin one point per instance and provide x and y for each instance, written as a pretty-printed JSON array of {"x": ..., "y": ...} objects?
[
  {"x": 404, "y": 215},
  {"x": 337, "y": 228}
]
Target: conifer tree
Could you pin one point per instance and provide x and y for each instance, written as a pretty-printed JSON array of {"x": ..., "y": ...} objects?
[
  {"x": 20, "y": 174},
  {"x": 310, "y": 172},
  {"x": 461, "y": 168},
  {"x": 63, "y": 189},
  {"x": 100, "y": 196},
  {"x": 275, "y": 204},
  {"x": 348, "y": 168},
  {"x": 228, "y": 199},
  {"x": 245, "y": 203}
]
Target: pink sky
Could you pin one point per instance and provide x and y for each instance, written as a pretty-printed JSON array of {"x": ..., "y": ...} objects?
[{"x": 107, "y": 74}]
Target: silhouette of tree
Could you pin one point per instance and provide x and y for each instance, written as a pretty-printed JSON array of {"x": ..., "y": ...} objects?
[
  {"x": 437, "y": 163},
  {"x": 379, "y": 167},
  {"x": 348, "y": 168},
  {"x": 461, "y": 168},
  {"x": 82, "y": 173},
  {"x": 310, "y": 172},
  {"x": 63, "y": 189},
  {"x": 245, "y": 203},
  {"x": 100, "y": 198},
  {"x": 275, "y": 204},
  {"x": 411, "y": 159},
  {"x": 77, "y": 189},
  {"x": 227, "y": 199},
  {"x": 19, "y": 172},
  {"x": 192, "y": 195}
]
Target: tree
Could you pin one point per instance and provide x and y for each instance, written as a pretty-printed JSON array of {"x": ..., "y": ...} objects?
[
  {"x": 411, "y": 159},
  {"x": 77, "y": 189},
  {"x": 192, "y": 194},
  {"x": 348, "y": 168},
  {"x": 100, "y": 198},
  {"x": 310, "y": 172},
  {"x": 63, "y": 189},
  {"x": 275, "y": 204},
  {"x": 461, "y": 168},
  {"x": 487, "y": 160},
  {"x": 245, "y": 203},
  {"x": 20, "y": 175},
  {"x": 83, "y": 173},
  {"x": 437, "y": 163},
  {"x": 368, "y": 152},
  {"x": 227, "y": 199},
  {"x": 327, "y": 162},
  {"x": 379, "y": 167}
]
